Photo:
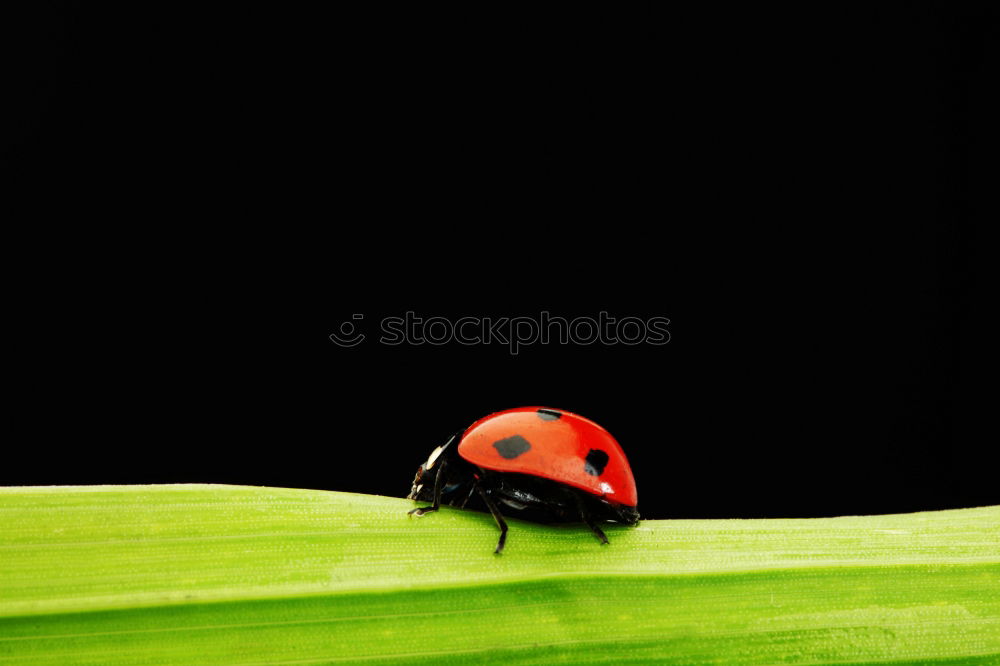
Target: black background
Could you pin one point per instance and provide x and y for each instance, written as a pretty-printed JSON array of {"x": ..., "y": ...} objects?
[{"x": 213, "y": 192}]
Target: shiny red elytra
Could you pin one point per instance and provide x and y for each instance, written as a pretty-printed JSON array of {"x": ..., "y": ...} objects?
[{"x": 540, "y": 464}]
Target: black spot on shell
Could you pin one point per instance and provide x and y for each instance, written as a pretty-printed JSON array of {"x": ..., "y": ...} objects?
[
  {"x": 548, "y": 414},
  {"x": 596, "y": 461},
  {"x": 511, "y": 447}
]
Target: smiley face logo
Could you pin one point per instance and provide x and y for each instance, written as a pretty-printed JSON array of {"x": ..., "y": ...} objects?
[{"x": 348, "y": 334}]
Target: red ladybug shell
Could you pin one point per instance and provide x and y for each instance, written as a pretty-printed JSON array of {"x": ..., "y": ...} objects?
[{"x": 552, "y": 444}]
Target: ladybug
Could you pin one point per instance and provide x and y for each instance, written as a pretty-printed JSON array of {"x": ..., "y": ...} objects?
[{"x": 540, "y": 464}]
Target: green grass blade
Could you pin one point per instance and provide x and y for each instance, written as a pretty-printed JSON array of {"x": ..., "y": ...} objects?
[{"x": 203, "y": 574}]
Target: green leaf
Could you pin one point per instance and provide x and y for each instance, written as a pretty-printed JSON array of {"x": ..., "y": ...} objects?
[{"x": 203, "y": 574}]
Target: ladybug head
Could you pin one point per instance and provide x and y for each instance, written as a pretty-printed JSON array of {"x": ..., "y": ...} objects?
[
  {"x": 627, "y": 514},
  {"x": 423, "y": 482}
]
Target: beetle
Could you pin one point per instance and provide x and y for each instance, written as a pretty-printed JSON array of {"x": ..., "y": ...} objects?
[{"x": 537, "y": 463}]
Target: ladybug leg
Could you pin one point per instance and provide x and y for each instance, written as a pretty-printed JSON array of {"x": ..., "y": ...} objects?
[
  {"x": 465, "y": 500},
  {"x": 437, "y": 494},
  {"x": 501, "y": 523},
  {"x": 585, "y": 516}
]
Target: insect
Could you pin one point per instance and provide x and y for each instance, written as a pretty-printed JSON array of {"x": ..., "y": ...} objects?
[{"x": 540, "y": 464}]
